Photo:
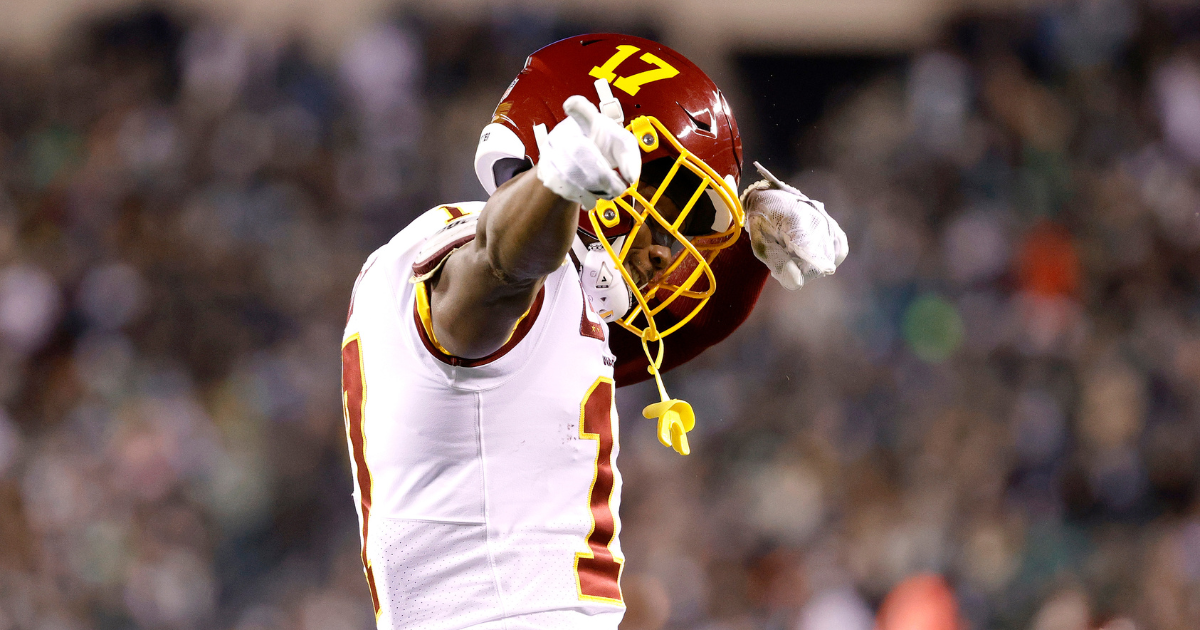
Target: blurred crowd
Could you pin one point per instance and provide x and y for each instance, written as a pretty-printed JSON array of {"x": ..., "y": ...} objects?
[{"x": 987, "y": 419}]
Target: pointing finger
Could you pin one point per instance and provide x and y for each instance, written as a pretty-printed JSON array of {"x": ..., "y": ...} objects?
[
  {"x": 582, "y": 110},
  {"x": 791, "y": 276}
]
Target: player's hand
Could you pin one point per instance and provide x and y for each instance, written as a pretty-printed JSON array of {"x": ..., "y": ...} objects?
[
  {"x": 578, "y": 157},
  {"x": 792, "y": 234}
]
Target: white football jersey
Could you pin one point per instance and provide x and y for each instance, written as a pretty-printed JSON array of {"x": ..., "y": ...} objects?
[{"x": 487, "y": 490}]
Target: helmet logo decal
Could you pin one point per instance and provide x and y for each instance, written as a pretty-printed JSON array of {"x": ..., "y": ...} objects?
[
  {"x": 631, "y": 84},
  {"x": 501, "y": 111}
]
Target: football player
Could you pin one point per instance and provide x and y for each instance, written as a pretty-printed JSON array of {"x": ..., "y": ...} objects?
[{"x": 480, "y": 355}]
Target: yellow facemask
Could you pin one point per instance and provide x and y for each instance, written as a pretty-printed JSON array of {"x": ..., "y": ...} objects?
[{"x": 675, "y": 417}]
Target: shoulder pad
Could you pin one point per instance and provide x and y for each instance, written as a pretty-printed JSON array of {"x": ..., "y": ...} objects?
[{"x": 441, "y": 244}]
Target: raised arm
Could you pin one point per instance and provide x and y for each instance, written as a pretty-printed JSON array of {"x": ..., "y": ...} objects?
[
  {"x": 524, "y": 232},
  {"x": 526, "y": 229}
]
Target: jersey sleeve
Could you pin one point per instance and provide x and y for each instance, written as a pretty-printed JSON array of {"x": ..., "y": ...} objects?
[
  {"x": 459, "y": 231},
  {"x": 740, "y": 279}
]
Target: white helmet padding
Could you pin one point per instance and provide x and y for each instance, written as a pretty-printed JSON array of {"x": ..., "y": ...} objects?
[{"x": 497, "y": 142}]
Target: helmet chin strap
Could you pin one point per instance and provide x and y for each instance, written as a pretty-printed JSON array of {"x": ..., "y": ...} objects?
[{"x": 609, "y": 105}]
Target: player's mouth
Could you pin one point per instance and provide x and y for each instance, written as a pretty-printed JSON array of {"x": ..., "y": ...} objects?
[{"x": 639, "y": 279}]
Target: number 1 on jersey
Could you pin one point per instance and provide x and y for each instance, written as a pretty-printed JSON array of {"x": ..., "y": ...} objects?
[
  {"x": 354, "y": 399},
  {"x": 598, "y": 572}
]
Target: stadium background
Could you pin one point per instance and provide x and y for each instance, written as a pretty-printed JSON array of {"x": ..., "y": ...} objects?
[{"x": 1001, "y": 386}]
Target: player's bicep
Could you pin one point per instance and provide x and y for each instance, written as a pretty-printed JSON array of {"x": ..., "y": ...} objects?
[{"x": 473, "y": 309}]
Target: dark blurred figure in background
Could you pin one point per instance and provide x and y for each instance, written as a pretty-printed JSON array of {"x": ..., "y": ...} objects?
[{"x": 1000, "y": 387}]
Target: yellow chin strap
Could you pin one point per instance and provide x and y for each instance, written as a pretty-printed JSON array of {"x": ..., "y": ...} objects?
[{"x": 675, "y": 417}]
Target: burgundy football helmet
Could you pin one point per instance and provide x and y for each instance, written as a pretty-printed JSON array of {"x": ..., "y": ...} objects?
[{"x": 691, "y": 153}]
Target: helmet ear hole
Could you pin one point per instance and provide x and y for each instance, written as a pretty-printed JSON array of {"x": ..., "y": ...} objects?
[{"x": 505, "y": 169}]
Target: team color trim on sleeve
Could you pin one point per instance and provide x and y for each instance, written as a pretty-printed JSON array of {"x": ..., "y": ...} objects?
[{"x": 423, "y": 318}]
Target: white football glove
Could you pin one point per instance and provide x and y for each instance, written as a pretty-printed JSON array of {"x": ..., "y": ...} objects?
[
  {"x": 792, "y": 234},
  {"x": 577, "y": 158}
]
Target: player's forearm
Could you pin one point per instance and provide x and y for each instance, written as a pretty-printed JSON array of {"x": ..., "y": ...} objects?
[
  {"x": 526, "y": 229},
  {"x": 523, "y": 235}
]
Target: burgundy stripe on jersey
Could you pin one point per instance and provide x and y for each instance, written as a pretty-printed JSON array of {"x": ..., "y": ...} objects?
[
  {"x": 587, "y": 327},
  {"x": 431, "y": 262},
  {"x": 599, "y": 575},
  {"x": 354, "y": 396},
  {"x": 522, "y": 329}
]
